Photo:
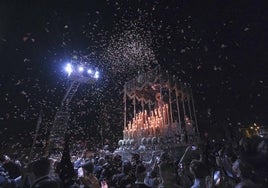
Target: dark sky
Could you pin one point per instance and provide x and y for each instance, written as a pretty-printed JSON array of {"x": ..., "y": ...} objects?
[{"x": 219, "y": 47}]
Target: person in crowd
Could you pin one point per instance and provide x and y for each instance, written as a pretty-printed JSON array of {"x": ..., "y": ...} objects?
[
  {"x": 42, "y": 178},
  {"x": 135, "y": 161},
  {"x": 240, "y": 166},
  {"x": 140, "y": 175},
  {"x": 152, "y": 178},
  {"x": 10, "y": 173},
  {"x": 261, "y": 162},
  {"x": 110, "y": 168},
  {"x": 123, "y": 179},
  {"x": 248, "y": 148},
  {"x": 10, "y": 166},
  {"x": 167, "y": 172},
  {"x": 185, "y": 178},
  {"x": 85, "y": 174},
  {"x": 6, "y": 182},
  {"x": 222, "y": 174},
  {"x": 245, "y": 173},
  {"x": 65, "y": 168},
  {"x": 78, "y": 161},
  {"x": 200, "y": 171},
  {"x": 254, "y": 151},
  {"x": 99, "y": 167},
  {"x": 225, "y": 158}
]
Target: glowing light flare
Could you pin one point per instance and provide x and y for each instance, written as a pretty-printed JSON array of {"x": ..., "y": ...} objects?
[
  {"x": 69, "y": 69},
  {"x": 97, "y": 75},
  {"x": 80, "y": 69}
]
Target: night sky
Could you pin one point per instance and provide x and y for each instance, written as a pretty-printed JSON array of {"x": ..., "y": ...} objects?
[{"x": 219, "y": 47}]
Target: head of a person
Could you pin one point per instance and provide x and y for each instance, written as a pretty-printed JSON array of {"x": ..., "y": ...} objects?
[
  {"x": 245, "y": 144},
  {"x": 229, "y": 153},
  {"x": 198, "y": 169},
  {"x": 135, "y": 158},
  {"x": 126, "y": 166},
  {"x": 108, "y": 158},
  {"x": 101, "y": 161},
  {"x": 41, "y": 167},
  {"x": 117, "y": 160},
  {"x": 263, "y": 147},
  {"x": 4, "y": 158},
  {"x": 164, "y": 157},
  {"x": 242, "y": 169},
  {"x": 88, "y": 166},
  {"x": 140, "y": 172}
]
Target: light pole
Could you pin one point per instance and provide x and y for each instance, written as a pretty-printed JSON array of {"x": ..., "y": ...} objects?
[{"x": 77, "y": 74}]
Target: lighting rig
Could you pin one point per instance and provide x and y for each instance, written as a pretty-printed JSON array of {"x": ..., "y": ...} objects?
[{"x": 77, "y": 74}]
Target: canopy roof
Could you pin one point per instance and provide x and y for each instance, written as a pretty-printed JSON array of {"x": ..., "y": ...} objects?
[{"x": 146, "y": 86}]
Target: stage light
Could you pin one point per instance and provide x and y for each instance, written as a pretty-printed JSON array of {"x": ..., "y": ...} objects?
[
  {"x": 80, "y": 69},
  {"x": 69, "y": 68},
  {"x": 81, "y": 73},
  {"x": 97, "y": 75}
]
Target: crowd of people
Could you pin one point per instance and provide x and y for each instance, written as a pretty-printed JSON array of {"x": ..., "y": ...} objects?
[{"x": 206, "y": 164}]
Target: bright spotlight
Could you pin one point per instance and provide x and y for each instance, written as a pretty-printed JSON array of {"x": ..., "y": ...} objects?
[
  {"x": 80, "y": 69},
  {"x": 69, "y": 68},
  {"x": 97, "y": 75},
  {"x": 81, "y": 73}
]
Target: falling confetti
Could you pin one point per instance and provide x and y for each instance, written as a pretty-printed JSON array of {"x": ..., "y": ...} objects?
[{"x": 131, "y": 48}]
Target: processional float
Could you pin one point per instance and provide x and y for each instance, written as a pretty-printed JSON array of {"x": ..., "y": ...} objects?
[{"x": 158, "y": 110}]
